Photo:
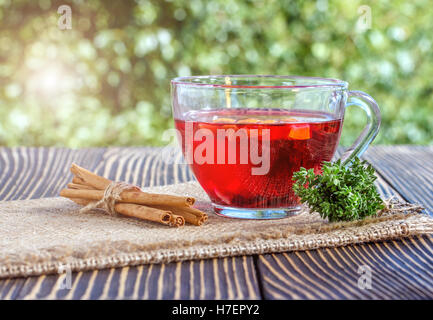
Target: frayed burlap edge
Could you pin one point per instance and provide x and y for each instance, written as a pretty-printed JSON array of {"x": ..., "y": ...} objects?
[{"x": 123, "y": 253}]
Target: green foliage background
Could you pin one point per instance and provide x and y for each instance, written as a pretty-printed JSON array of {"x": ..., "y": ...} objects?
[{"x": 106, "y": 81}]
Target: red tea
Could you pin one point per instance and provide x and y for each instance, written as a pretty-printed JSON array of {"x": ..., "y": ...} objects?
[{"x": 295, "y": 139}]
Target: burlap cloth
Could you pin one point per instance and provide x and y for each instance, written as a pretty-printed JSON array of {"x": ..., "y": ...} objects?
[{"x": 46, "y": 235}]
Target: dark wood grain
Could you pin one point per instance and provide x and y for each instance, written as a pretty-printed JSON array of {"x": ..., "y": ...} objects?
[
  {"x": 230, "y": 278},
  {"x": 401, "y": 269},
  {"x": 408, "y": 169}
]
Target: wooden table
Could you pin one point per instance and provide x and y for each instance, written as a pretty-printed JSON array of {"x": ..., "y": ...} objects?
[{"x": 401, "y": 269}]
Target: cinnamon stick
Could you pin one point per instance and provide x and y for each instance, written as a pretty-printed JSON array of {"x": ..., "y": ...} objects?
[
  {"x": 144, "y": 198},
  {"x": 79, "y": 186},
  {"x": 195, "y": 212},
  {"x": 178, "y": 217},
  {"x": 177, "y": 221},
  {"x": 143, "y": 212},
  {"x": 190, "y": 210},
  {"x": 82, "y": 202},
  {"x": 87, "y": 187},
  {"x": 187, "y": 213},
  {"x": 78, "y": 180},
  {"x": 89, "y": 177}
]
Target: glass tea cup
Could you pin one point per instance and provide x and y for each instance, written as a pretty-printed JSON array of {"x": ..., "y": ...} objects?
[{"x": 245, "y": 136}]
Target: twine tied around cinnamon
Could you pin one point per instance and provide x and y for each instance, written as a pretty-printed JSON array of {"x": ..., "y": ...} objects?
[
  {"x": 111, "y": 196},
  {"x": 93, "y": 191}
]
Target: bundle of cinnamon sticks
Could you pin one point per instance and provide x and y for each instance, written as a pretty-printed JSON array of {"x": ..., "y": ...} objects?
[{"x": 87, "y": 187}]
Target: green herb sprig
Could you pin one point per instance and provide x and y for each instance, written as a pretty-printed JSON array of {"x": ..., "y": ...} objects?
[{"x": 340, "y": 193}]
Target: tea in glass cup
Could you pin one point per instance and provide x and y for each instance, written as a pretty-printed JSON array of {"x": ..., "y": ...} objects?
[{"x": 244, "y": 140}]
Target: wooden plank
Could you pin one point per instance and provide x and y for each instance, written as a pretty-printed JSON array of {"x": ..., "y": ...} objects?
[
  {"x": 408, "y": 169},
  {"x": 10, "y": 288},
  {"x": 228, "y": 278},
  {"x": 143, "y": 166},
  {"x": 28, "y": 173},
  {"x": 401, "y": 269}
]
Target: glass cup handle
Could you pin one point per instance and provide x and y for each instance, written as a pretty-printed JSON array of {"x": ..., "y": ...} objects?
[{"x": 366, "y": 103}]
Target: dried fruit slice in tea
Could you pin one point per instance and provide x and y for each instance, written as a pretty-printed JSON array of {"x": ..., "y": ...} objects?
[
  {"x": 300, "y": 132},
  {"x": 269, "y": 121},
  {"x": 247, "y": 121},
  {"x": 289, "y": 120},
  {"x": 224, "y": 120}
]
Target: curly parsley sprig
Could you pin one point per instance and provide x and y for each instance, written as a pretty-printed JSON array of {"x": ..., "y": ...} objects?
[{"x": 340, "y": 193}]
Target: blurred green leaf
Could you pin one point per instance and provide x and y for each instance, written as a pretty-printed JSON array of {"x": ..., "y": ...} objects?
[{"x": 106, "y": 81}]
